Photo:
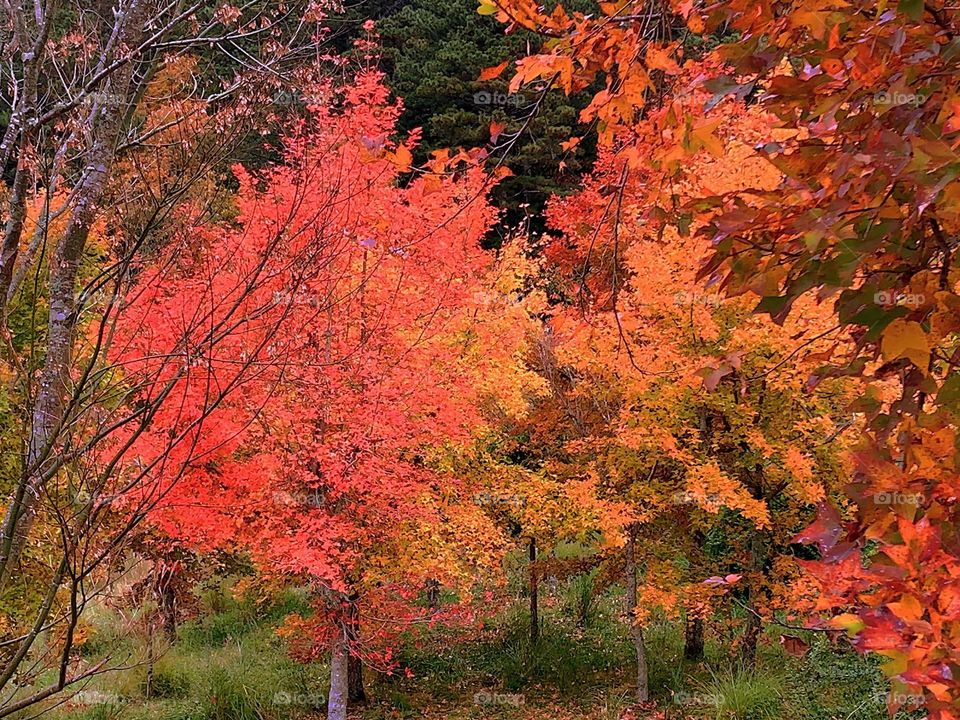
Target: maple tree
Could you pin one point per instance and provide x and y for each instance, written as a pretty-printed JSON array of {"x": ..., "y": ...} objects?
[
  {"x": 864, "y": 98},
  {"x": 112, "y": 120},
  {"x": 245, "y": 307},
  {"x": 678, "y": 401},
  {"x": 377, "y": 337}
]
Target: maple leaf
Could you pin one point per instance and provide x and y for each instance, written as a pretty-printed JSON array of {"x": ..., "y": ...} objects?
[
  {"x": 402, "y": 158},
  {"x": 491, "y": 73},
  {"x": 906, "y": 339}
]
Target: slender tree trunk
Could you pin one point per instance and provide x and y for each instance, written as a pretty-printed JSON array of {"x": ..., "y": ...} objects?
[
  {"x": 583, "y": 612},
  {"x": 169, "y": 610},
  {"x": 636, "y": 632},
  {"x": 24, "y": 113},
  {"x": 16, "y": 217},
  {"x": 433, "y": 595},
  {"x": 759, "y": 543},
  {"x": 151, "y": 660},
  {"x": 751, "y": 635},
  {"x": 534, "y": 595},
  {"x": 693, "y": 639},
  {"x": 355, "y": 691},
  {"x": 49, "y": 408},
  {"x": 50, "y": 405},
  {"x": 339, "y": 675},
  {"x": 167, "y": 601},
  {"x": 748, "y": 651}
]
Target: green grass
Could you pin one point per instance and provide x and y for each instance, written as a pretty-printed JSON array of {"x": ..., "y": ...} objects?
[
  {"x": 229, "y": 664},
  {"x": 225, "y": 665},
  {"x": 581, "y": 598},
  {"x": 566, "y": 657},
  {"x": 249, "y": 678},
  {"x": 235, "y": 618},
  {"x": 740, "y": 694}
]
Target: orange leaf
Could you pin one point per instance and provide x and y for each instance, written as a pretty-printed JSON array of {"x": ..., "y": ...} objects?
[
  {"x": 402, "y": 158},
  {"x": 658, "y": 58},
  {"x": 493, "y": 72}
]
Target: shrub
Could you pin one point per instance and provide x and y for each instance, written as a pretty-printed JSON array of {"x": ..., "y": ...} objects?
[{"x": 740, "y": 694}]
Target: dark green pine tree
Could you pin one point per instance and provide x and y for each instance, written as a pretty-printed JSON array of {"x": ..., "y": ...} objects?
[{"x": 433, "y": 53}]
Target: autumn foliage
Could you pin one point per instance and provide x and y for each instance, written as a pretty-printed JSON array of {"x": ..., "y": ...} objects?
[
  {"x": 726, "y": 371},
  {"x": 859, "y": 107},
  {"x": 375, "y": 326}
]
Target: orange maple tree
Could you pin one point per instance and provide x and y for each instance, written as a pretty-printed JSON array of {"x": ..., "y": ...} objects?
[
  {"x": 689, "y": 411},
  {"x": 866, "y": 103}
]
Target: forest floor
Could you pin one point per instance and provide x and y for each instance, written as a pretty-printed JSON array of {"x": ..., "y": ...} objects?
[{"x": 229, "y": 663}]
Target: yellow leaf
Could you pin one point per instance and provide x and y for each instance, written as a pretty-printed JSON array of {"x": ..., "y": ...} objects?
[
  {"x": 906, "y": 339},
  {"x": 847, "y": 621},
  {"x": 897, "y": 664},
  {"x": 705, "y": 137}
]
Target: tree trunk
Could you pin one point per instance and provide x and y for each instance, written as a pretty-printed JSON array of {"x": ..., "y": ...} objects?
[
  {"x": 433, "y": 595},
  {"x": 693, "y": 639},
  {"x": 166, "y": 596},
  {"x": 636, "y": 632},
  {"x": 534, "y": 593},
  {"x": 339, "y": 675},
  {"x": 16, "y": 217},
  {"x": 355, "y": 691},
  {"x": 24, "y": 114},
  {"x": 151, "y": 660},
  {"x": 50, "y": 407},
  {"x": 748, "y": 651}
]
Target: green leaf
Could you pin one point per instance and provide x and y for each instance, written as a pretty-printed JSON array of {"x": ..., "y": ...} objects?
[
  {"x": 949, "y": 395},
  {"x": 773, "y": 304},
  {"x": 913, "y": 9}
]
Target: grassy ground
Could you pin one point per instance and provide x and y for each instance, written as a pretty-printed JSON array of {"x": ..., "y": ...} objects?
[{"x": 230, "y": 665}]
